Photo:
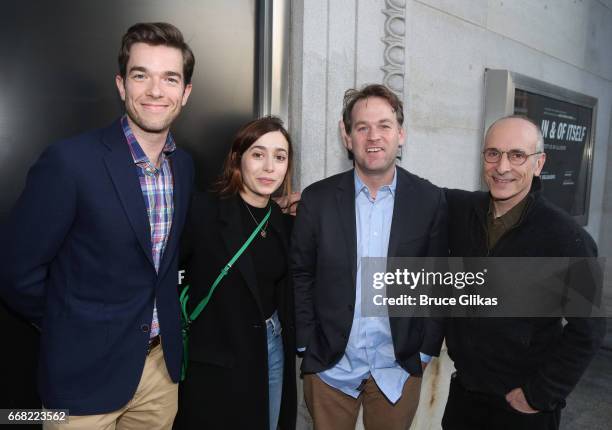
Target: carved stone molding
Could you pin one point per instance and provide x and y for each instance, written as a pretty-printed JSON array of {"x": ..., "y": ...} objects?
[{"x": 395, "y": 33}]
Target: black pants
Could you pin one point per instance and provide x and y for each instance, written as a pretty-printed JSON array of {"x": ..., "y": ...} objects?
[{"x": 469, "y": 410}]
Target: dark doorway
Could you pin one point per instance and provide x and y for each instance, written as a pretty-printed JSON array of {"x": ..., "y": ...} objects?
[{"x": 59, "y": 60}]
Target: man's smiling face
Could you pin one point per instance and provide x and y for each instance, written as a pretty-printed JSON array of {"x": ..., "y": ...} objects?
[
  {"x": 375, "y": 137},
  {"x": 154, "y": 88},
  {"x": 509, "y": 183}
]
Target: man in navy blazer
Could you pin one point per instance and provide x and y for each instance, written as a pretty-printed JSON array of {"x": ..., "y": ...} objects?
[{"x": 89, "y": 253}]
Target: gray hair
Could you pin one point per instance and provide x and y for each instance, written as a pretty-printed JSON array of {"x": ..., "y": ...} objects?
[{"x": 540, "y": 139}]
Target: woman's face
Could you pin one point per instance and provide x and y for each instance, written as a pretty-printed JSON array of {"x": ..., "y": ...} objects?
[{"x": 263, "y": 167}]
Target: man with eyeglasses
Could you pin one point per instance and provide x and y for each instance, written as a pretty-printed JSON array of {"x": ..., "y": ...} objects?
[{"x": 514, "y": 373}]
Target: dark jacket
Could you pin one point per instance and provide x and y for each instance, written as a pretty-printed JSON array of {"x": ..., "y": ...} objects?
[
  {"x": 539, "y": 355},
  {"x": 76, "y": 260},
  {"x": 324, "y": 265},
  {"x": 227, "y": 380}
]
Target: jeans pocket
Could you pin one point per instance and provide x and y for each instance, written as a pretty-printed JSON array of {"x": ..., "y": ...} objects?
[{"x": 273, "y": 325}]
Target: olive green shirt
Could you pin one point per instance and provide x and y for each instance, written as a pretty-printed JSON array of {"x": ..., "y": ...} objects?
[{"x": 497, "y": 227}]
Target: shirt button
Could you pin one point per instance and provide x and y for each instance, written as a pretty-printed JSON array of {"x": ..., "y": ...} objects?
[{"x": 144, "y": 328}]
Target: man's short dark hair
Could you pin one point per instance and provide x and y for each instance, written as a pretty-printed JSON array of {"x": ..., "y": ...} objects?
[
  {"x": 352, "y": 96},
  {"x": 156, "y": 34}
]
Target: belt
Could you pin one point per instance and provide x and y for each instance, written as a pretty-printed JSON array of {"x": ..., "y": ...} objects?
[{"x": 154, "y": 342}]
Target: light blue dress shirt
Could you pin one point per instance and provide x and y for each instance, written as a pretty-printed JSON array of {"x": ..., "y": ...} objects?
[{"x": 370, "y": 347}]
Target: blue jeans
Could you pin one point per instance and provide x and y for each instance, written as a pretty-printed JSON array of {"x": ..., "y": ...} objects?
[{"x": 275, "y": 368}]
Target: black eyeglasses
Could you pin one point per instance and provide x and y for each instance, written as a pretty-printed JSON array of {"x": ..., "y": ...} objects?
[{"x": 515, "y": 156}]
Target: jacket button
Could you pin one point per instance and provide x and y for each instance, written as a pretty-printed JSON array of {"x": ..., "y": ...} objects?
[
  {"x": 144, "y": 328},
  {"x": 351, "y": 308},
  {"x": 344, "y": 336}
]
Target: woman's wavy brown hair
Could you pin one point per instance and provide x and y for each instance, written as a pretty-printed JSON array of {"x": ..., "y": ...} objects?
[{"x": 230, "y": 180}]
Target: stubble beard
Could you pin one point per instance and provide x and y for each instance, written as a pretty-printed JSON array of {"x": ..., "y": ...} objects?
[
  {"x": 381, "y": 170},
  {"x": 150, "y": 126}
]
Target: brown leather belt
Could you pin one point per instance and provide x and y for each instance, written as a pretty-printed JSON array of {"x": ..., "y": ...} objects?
[{"x": 153, "y": 343}]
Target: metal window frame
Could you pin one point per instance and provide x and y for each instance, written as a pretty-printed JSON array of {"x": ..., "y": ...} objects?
[{"x": 273, "y": 55}]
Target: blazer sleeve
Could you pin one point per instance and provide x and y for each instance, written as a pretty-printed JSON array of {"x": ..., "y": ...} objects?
[
  {"x": 303, "y": 257},
  {"x": 580, "y": 340},
  {"x": 35, "y": 231},
  {"x": 438, "y": 247}
]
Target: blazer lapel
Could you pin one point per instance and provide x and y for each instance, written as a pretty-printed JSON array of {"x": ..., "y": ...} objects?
[
  {"x": 405, "y": 210},
  {"x": 345, "y": 199},
  {"x": 180, "y": 196},
  {"x": 120, "y": 166},
  {"x": 233, "y": 238}
]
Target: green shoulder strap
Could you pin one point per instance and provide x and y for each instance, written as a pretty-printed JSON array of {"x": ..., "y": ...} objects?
[{"x": 187, "y": 319}]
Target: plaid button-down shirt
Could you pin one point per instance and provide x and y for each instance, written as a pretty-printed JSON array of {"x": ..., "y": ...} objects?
[{"x": 157, "y": 185}]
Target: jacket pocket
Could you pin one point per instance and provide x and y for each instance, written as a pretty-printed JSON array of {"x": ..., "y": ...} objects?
[
  {"x": 210, "y": 354},
  {"x": 412, "y": 247}
]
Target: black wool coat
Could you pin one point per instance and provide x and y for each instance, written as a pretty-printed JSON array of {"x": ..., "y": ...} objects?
[
  {"x": 540, "y": 355},
  {"x": 227, "y": 379}
]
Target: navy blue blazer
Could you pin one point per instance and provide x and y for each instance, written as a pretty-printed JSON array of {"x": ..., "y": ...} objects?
[{"x": 76, "y": 260}]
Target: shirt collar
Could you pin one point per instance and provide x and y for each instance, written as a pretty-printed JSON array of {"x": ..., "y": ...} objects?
[
  {"x": 360, "y": 186},
  {"x": 510, "y": 218},
  {"x": 138, "y": 154}
]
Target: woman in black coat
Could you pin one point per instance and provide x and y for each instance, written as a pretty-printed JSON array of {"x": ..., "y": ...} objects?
[{"x": 241, "y": 362}]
